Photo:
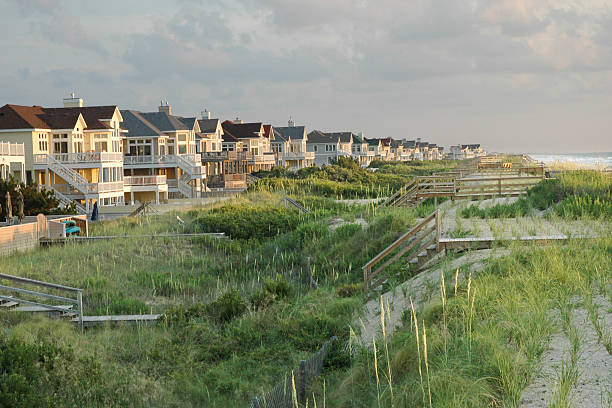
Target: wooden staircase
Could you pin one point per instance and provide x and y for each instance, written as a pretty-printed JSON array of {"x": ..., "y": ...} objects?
[
  {"x": 291, "y": 202},
  {"x": 416, "y": 247}
]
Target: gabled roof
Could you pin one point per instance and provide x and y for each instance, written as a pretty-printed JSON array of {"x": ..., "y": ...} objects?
[
  {"x": 396, "y": 143},
  {"x": 189, "y": 122},
  {"x": 373, "y": 141},
  {"x": 208, "y": 125},
  {"x": 165, "y": 122},
  {"x": 290, "y": 132},
  {"x": 317, "y": 136},
  {"x": 409, "y": 144},
  {"x": 470, "y": 146},
  {"x": 268, "y": 132},
  {"x": 138, "y": 126},
  {"x": 29, "y": 117},
  {"x": 358, "y": 139},
  {"x": 386, "y": 141},
  {"x": 243, "y": 130}
]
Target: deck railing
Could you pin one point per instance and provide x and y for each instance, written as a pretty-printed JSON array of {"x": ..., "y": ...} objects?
[
  {"x": 144, "y": 180},
  {"x": 11, "y": 149},
  {"x": 90, "y": 188},
  {"x": 25, "y": 296},
  {"x": 417, "y": 240},
  {"x": 75, "y": 158}
]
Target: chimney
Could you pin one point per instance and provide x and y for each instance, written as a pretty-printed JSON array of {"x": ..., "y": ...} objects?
[
  {"x": 205, "y": 114},
  {"x": 418, "y": 140},
  {"x": 165, "y": 108},
  {"x": 238, "y": 121},
  {"x": 290, "y": 123},
  {"x": 73, "y": 102}
]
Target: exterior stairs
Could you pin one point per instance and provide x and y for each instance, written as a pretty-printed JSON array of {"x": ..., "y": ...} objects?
[
  {"x": 191, "y": 171},
  {"x": 73, "y": 178},
  {"x": 65, "y": 201}
]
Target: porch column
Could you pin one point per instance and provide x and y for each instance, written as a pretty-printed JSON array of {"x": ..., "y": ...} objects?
[
  {"x": 156, "y": 196},
  {"x": 47, "y": 183},
  {"x": 131, "y": 197},
  {"x": 87, "y": 206}
]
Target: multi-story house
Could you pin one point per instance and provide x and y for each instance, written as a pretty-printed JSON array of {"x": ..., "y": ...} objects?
[
  {"x": 360, "y": 150},
  {"x": 327, "y": 147},
  {"x": 76, "y": 151},
  {"x": 209, "y": 144},
  {"x": 12, "y": 161},
  {"x": 160, "y": 156},
  {"x": 465, "y": 151},
  {"x": 290, "y": 147},
  {"x": 397, "y": 150},
  {"x": 251, "y": 142}
]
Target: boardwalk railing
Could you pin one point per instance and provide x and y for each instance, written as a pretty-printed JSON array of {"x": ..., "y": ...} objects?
[
  {"x": 25, "y": 296},
  {"x": 418, "y": 239},
  {"x": 501, "y": 185},
  {"x": 294, "y": 388},
  {"x": 292, "y": 202}
]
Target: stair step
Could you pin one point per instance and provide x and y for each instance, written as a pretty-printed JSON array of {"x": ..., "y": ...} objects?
[
  {"x": 414, "y": 261},
  {"x": 9, "y": 304},
  {"x": 422, "y": 254},
  {"x": 33, "y": 309},
  {"x": 432, "y": 248}
]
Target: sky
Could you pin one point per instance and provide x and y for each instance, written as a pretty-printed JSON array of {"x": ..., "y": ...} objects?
[{"x": 513, "y": 75}]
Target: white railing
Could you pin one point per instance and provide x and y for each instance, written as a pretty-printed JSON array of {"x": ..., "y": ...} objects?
[
  {"x": 144, "y": 180},
  {"x": 73, "y": 158},
  {"x": 184, "y": 188},
  {"x": 172, "y": 183},
  {"x": 296, "y": 155},
  {"x": 192, "y": 167},
  {"x": 68, "y": 174},
  {"x": 67, "y": 201},
  {"x": 90, "y": 188},
  {"x": 11, "y": 149}
]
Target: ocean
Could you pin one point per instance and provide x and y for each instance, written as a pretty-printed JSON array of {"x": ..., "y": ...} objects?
[{"x": 603, "y": 159}]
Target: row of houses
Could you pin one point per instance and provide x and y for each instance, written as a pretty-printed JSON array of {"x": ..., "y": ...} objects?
[{"x": 103, "y": 154}]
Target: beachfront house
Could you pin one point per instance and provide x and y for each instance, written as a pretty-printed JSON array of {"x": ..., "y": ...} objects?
[
  {"x": 160, "y": 156},
  {"x": 360, "y": 150},
  {"x": 76, "y": 151},
  {"x": 290, "y": 147},
  {"x": 327, "y": 147},
  {"x": 251, "y": 142}
]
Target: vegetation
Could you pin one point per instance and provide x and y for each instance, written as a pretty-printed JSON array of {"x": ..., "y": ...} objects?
[
  {"x": 346, "y": 179},
  {"x": 573, "y": 195},
  {"x": 241, "y": 312},
  {"x": 35, "y": 201}
]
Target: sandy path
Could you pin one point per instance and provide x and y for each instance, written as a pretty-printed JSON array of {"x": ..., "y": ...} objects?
[
  {"x": 593, "y": 387},
  {"x": 421, "y": 288}
]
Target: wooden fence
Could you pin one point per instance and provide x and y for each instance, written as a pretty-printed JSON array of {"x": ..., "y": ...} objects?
[{"x": 418, "y": 239}]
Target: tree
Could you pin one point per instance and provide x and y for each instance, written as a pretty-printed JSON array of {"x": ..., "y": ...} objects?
[{"x": 34, "y": 201}]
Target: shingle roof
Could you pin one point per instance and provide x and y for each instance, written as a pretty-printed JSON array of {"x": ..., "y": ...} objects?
[
  {"x": 137, "y": 125},
  {"x": 28, "y": 117},
  {"x": 268, "y": 132},
  {"x": 317, "y": 136},
  {"x": 409, "y": 143},
  {"x": 165, "y": 122},
  {"x": 208, "y": 125},
  {"x": 242, "y": 130},
  {"x": 293, "y": 132},
  {"x": 372, "y": 142},
  {"x": 470, "y": 146},
  {"x": 189, "y": 122}
]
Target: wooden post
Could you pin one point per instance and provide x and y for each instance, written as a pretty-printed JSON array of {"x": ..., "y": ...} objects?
[
  {"x": 301, "y": 386},
  {"x": 438, "y": 228},
  {"x": 80, "y": 300},
  {"x": 366, "y": 273},
  {"x": 499, "y": 183}
]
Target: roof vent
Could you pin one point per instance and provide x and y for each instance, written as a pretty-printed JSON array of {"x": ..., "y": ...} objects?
[
  {"x": 205, "y": 114},
  {"x": 290, "y": 123}
]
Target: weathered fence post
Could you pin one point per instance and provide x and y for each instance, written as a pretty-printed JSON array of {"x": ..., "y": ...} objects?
[
  {"x": 80, "y": 300},
  {"x": 438, "y": 228},
  {"x": 301, "y": 387},
  {"x": 366, "y": 273}
]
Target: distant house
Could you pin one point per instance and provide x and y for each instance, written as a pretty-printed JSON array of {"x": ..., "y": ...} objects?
[
  {"x": 251, "y": 141},
  {"x": 209, "y": 143},
  {"x": 290, "y": 147},
  {"x": 466, "y": 151},
  {"x": 360, "y": 150},
  {"x": 327, "y": 147},
  {"x": 12, "y": 161}
]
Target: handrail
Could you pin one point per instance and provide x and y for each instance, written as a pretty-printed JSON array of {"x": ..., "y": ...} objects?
[
  {"x": 78, "y": 301},
  {"x": 296, "y": 204},
  {"x": 417, "y": 242}
]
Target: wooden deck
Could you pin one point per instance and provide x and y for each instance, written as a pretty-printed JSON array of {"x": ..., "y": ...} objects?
[{"x": 89, "y": 321}]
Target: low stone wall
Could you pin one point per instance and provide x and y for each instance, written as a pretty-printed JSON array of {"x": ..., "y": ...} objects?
[{"x": 18, "y": 238}]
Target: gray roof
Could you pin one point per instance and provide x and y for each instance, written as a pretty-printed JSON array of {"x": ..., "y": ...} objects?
[
  {"x": 208, "y": 125},
  {"x": 316, "y": 136},
  {"x": 358, "y": 139},
  {"x": 290, "y": 132},
  {"x": 137, "y": 125},
  {"x": 189, "y": 122},
  {"x": 165, "y": 122}
]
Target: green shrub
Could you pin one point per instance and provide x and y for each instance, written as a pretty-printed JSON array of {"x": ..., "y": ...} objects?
[
  {"x": 349, "y": 289},
  {"x": 578, "y": 206},
  {"x": 273, "y": 290},
  {"x": 247, "y": 221},
  {"x": 226, "y": 307}
]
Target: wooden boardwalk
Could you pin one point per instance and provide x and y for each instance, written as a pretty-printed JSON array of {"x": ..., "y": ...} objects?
[
  {"x": 460, "y": 244},
  {"x": 89, "y": 321}
]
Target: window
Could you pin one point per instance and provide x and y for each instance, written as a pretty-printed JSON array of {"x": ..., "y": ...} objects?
[
  {"x": 315, "y": 148},
  {"x": 182, "y": 149},
  {"x": 101, "y": 146},
  {"x": 182, "y": 138}
]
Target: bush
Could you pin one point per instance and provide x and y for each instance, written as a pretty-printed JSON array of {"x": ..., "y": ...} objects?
[
  {"x": 349, "y": 289},
  {"x": 226, "y": 307},
  {"x": 273, "y": 290},
  {"x": 246, "y": 221}
]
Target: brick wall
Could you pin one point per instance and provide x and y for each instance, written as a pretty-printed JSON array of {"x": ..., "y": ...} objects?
[{"x": 18, "y": 238}]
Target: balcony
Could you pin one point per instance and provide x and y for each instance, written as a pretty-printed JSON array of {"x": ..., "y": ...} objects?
[
  {"x": 11, "y": 149},
  {"x": 218, "y": 156},
  {"x": 79, "y": 158},
  {"x": 91, "y": 188},
  {"x": 296, "y": 156},
  {"x": 163, "y": 160},
  {"x": 144, "y": 180}
]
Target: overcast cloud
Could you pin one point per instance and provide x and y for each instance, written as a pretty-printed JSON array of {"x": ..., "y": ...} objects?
[{"x": 515, "y": 75}]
